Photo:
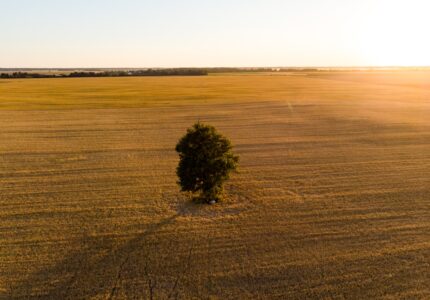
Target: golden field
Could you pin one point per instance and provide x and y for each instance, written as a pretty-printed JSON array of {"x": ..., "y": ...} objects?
[{"x": 332, "y": 199}]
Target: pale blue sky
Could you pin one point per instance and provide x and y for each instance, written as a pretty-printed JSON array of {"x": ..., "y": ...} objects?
[{"x": 168, "y": 33}]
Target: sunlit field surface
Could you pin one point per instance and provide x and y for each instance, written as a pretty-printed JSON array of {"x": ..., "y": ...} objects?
[{"x": 332, "y": 199}]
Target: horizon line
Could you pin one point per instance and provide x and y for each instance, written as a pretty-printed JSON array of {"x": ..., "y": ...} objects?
[{"x": 224, "y": 67}]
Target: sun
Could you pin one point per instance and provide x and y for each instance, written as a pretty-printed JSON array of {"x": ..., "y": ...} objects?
[{"x": 395, "y": 33}]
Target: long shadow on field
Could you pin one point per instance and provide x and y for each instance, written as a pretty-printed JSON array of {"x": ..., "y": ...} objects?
[{"x": 101, "y": 265}]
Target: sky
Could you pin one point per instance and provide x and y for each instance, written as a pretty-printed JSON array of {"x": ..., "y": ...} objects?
[{"x": 213, "y": 33}]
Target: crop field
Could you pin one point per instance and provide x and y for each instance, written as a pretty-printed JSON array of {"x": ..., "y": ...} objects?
[{"x": 331, "y": 200}]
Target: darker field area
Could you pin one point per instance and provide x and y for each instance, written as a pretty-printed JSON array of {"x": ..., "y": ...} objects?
[{"x": 332, "y": 199}]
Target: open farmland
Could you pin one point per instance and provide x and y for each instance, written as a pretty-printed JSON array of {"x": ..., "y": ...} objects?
[{"x": 332, "y": 199}]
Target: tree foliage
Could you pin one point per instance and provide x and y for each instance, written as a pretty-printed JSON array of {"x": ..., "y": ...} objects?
[{"x": 205, "y": 161}]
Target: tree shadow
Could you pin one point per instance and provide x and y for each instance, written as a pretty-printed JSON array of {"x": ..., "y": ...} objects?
[{"x": 100, "y": 267}]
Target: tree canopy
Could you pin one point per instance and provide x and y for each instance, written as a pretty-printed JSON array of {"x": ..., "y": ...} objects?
[{"x": 205, "y": 161}]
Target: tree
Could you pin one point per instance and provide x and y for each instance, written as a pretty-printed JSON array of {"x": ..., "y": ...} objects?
[{"x": 205, "y": 162}]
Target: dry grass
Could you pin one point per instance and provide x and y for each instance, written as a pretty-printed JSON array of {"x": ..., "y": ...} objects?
[
  {"x": 332, "y": 199},
  {"x": 133, "y": 92}
]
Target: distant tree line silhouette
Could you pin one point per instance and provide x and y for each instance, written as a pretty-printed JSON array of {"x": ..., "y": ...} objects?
[
  {"x": 111, "y": 73},
  {"x": 257, "y": 69},
  {"x": 143, "y": 72},
  {"x": 25, "y": 75}
]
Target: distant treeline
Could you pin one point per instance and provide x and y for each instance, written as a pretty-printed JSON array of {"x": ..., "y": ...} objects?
[
  {"x": 68, "y": 73},
  {"x": 110, "y": 73},
  {"x": 10, "y": 73},
  {"x": 256, "y": 70}
]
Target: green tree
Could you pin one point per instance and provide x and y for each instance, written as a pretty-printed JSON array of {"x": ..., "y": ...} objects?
[{"x": 205, "y": 162}]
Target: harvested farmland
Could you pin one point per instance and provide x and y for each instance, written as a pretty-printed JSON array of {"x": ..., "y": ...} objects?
[{"x": 331, "y": 199}]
